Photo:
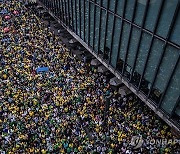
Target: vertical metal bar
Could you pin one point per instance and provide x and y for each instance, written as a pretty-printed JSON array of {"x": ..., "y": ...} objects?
[
  {"x": 65, "y": 12},
  {"x": 164, "y": 48},
  {"x": 99, "y": 35},
  {"x": 75, "y": 9},
  {"x": 137, "y": 51},
  {"x": 55, "y": 7},
  {"x": 47, "y": 3},
  {"x": 72, "y": 16},
  {"x": 113, "y": 29},
  {"x": 169, "y": 81},
  {"x": 175, "y": 106},
  {"x": 62, "y": 14},
  {"x": 52, "y": 6},
  {"x": 80, "y": 19},
  {"x": 84, "y": 19},
  {"x": 130, "y": 32},
  {"x": 89, "y": 7},
  {"x": 120, "y": 36},
  {"x": 151, "y": 42},
  {"x": 106, "y": 22},
  {"x": 59, "y": 10},
  {"x": 94, "y": 24},
  {"x": 62, "y": 5},
  {"x": 68, "y": 13}
]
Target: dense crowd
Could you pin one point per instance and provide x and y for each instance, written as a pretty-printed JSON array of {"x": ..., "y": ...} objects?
[{"x": 62, "y": 110}]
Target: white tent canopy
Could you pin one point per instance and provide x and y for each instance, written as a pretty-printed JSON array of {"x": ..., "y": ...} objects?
[
  {"x": 102, "y": 69},
  {"x": 123, "y": 91},
  {"x": 95, "y": 62},
  {"x": 115, "y": 82}
]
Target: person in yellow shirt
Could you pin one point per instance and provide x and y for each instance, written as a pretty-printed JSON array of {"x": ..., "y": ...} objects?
[
  {"x": 43, "y": 151},
  {"x": 80, "y": 148},
  {"x": 62, "y": 150},
  {"x": 5, "y": 76},
  {"x": 31, "y": 113}
]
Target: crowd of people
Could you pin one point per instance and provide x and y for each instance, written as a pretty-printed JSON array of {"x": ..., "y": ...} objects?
[{"x": 63, "y": 110}]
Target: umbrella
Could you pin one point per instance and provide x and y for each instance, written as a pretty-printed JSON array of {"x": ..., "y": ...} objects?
[
  {"x": 7, "y": 17},
  {"x": 15, "y": 12},
  {"x": 95, "y": 62},
  {"x": 115, "y": 82},
  {"x": 6, "y": 29},
  {"x": 102, "y": 69},
  {"x": 123, "y": 91}
]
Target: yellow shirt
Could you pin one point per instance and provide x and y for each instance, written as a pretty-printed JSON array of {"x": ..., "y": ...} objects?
[
  {"x": 31, "y": 150},
  {"x": 31, "y": 113},
  {"x": 80, "y": 148},
  {"x": 4, "y": 76},
  {"x": 43, "y": 151},
  {"x": 71, "y": 145},
  {"x": 112, "y": 145},
  {"x": 62, "y": 151}
]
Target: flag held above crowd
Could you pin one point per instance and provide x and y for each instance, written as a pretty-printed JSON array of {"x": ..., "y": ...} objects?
[{"x": 42, "y": 69}]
